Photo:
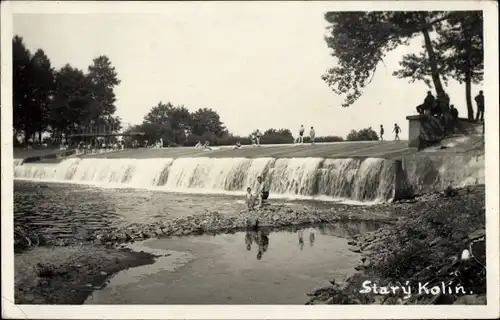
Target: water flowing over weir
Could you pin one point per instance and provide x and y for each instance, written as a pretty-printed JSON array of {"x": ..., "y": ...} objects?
[{"x": 370, "y": 179}]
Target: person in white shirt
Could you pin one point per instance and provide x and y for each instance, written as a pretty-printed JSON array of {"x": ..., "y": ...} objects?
[{"x": 312, "y": 135}]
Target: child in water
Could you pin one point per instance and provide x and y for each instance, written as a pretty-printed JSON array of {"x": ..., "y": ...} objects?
[{"x": 250, "y": 199}]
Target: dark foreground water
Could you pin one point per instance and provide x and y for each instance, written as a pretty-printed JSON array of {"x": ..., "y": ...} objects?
[{"x": 239, "y": 268}]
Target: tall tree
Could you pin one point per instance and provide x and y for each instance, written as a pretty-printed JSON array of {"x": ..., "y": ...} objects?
[
  {"x": 360, "y": 40},
  {"x": 103, "y": 78},
  {"x": 461, "y": 40},
  {"x": 459, "y": 52},
  {"x": 42, "y": 88},
  {"x": 21, "y": 77},
  {"x": 71, "y": 102}
]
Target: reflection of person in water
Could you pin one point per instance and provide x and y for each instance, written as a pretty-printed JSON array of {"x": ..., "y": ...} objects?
[
  {"x": 248, "y": 241},
  {"x": 301, "y": 239},
  {"x": 312, "y": 237},
  {"x": 263, "y": 242}
]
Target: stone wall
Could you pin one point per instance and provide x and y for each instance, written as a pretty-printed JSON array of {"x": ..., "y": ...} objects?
[{"x": 425, "y": 172}]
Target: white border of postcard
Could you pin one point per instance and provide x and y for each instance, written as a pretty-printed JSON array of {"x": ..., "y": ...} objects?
[{"x": 491, "y": 310}]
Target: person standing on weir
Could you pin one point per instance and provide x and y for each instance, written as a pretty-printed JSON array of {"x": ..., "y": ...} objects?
[
  {"x": 480, "y": 106},
  {"x": 381, "y": 132},
  {"x": 312, "y": 135},
  {"x": 301, "y": 134},
  {"x": 257, "y": 137},
  {"x": 396, "y": 131}
]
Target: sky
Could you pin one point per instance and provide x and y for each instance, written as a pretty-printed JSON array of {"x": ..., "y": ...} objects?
[{"x": 257, "y": 68}]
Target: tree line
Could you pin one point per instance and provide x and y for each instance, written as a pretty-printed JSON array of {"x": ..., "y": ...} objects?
[
  {"x": 360, "y": 40},
  {"x": 177, "y": 126},
  {"x": 68, "y": 101},
  {"x": 63, "y": 101}
]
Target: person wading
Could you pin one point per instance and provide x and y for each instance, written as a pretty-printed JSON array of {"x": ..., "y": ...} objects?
[{"x": 480, "y": 106}]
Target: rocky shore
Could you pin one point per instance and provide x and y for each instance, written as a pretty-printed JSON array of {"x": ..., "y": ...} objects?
[
  {"x": 271, "y": 216},
  {"x": 68, "y": 275},
  {"x": 423, "y": 249}
]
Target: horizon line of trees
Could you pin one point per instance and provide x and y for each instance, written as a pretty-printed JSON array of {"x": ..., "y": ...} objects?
[
  {"x": 177, "y": 126},
  {"x": 360, "y": 40},
  {"x": 68, "y": 101}
]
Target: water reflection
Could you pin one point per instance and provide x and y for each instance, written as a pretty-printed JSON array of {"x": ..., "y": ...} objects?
[{"x": 260, "y": 238}]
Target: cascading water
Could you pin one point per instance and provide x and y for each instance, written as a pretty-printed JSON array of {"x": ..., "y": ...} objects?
[{"x": 360, "y": 180}]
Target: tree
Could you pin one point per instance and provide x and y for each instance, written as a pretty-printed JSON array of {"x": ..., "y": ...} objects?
[
  {"x": 362, "y": 135},
  {"x": 459, "y": 53},
  {"x": 103, "y": 78},
  {"x": 21, "y": 75},
  {"x": 71, "y": 103},
  {"x": 360, "y": 40},
  {"x": 169, "y": 122},
  {"x": 41, "y": 90},
  {"x": 207, "y": 120},
  {"x": 461, "y": 42}
]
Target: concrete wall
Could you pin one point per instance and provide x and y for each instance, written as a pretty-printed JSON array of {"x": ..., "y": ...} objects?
[
  {"x": 422, "y": 173},
  {"x": 424, "y": 131}
]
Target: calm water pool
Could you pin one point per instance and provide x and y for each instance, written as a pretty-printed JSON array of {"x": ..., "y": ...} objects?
[{"x": 237, "y": 268}]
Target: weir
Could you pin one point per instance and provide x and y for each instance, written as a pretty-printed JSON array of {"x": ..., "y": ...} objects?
[{"x": 365, "y": 180}]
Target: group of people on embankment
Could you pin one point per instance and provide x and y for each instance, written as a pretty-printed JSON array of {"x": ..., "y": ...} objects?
[{"x": 441, "y": 108}]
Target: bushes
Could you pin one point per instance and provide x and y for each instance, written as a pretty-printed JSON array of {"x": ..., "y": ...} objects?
[{"x": 324, "y": 139}]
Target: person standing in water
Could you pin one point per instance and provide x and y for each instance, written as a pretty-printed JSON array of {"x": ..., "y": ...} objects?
[
  {"x": 381, "y": 133},
  {"x": 301, "y": 134},
  {"x": 312, "y": 135},
  {"x": 397, "y": 131}
]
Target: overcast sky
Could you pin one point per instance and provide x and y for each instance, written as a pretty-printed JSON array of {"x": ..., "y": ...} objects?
[{"x": 257, "y": 68}]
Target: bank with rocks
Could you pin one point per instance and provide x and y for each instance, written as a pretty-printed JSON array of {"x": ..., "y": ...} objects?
[
  {"x": 68, "y": 275},
  {"x": 420, "y": 259},
  {"x": 272, "y": 216}
]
